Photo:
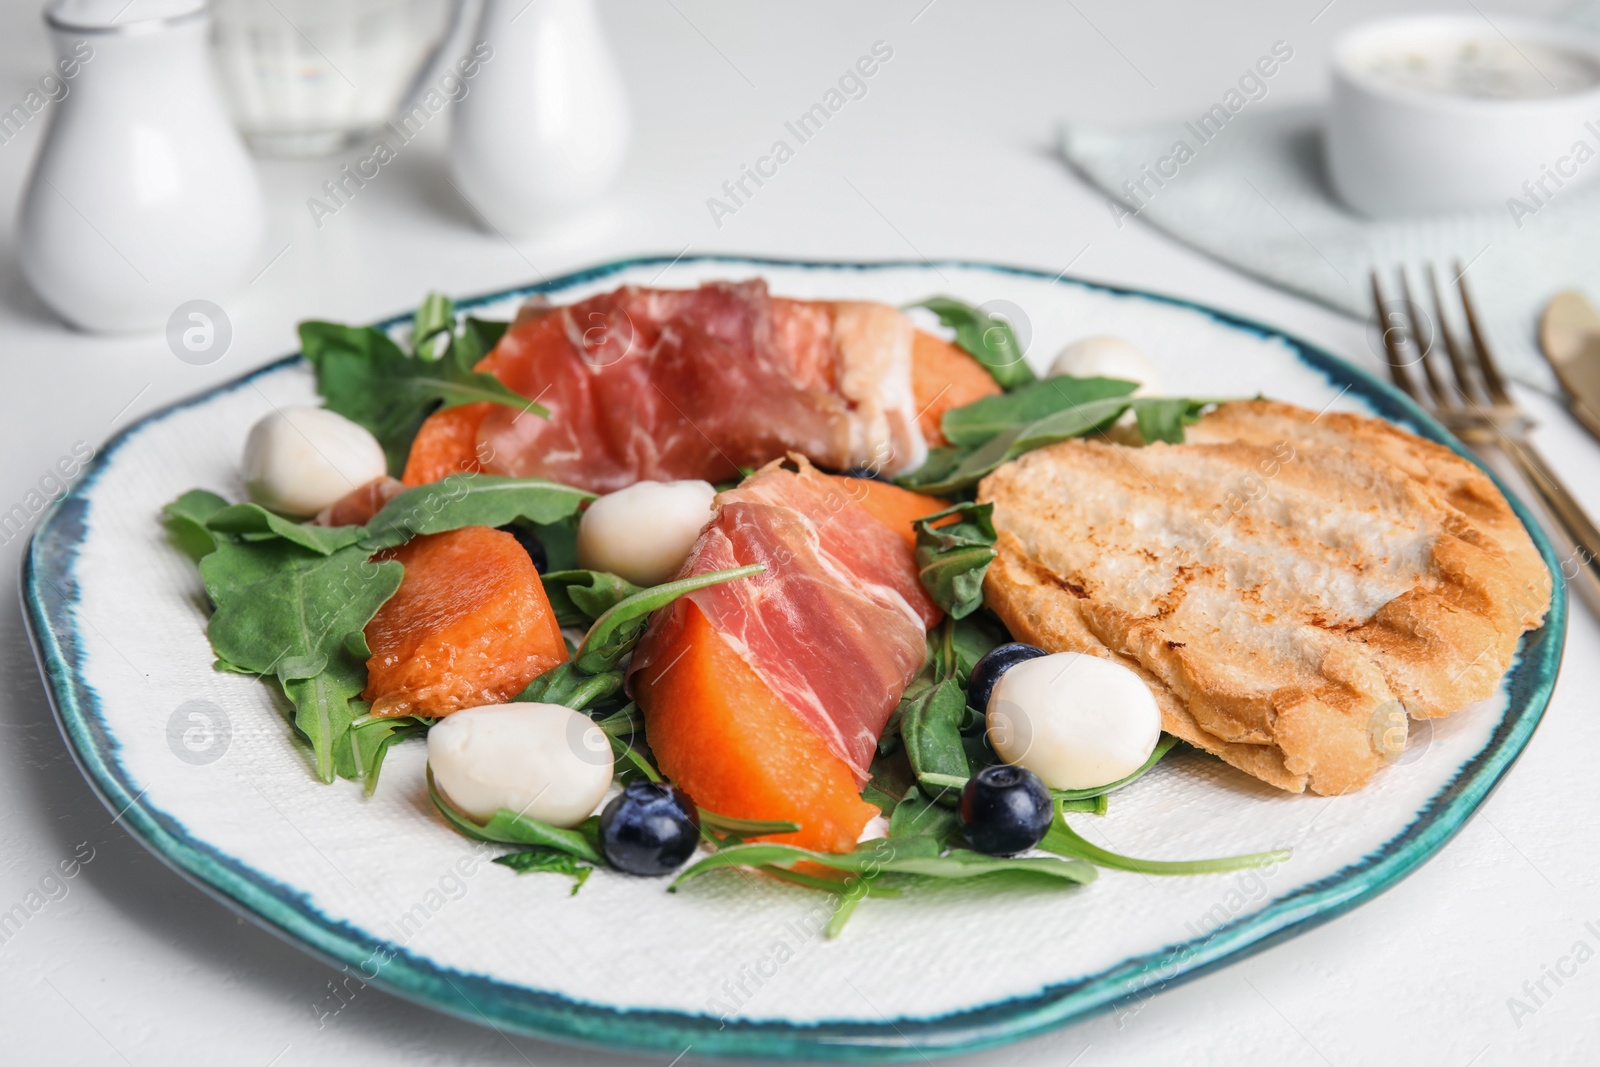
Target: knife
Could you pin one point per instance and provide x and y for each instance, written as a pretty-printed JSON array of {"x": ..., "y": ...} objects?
[{"x": 1569, "y": 335}]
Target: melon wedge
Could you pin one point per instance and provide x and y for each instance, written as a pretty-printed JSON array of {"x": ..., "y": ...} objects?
[
  {"x": 891, "y": 505},
  {"x": 721, "y": 734},
  {"x": 446, "y": 444},
  {"x": 470, "y": 625},
  {"x": 944, "y": 377}
]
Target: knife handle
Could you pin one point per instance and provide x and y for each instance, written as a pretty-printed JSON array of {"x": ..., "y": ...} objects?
[{"x": 1582, "y": 566}]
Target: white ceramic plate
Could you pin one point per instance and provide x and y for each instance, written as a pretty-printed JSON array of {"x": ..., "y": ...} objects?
[{"x": 728, "y": 965}]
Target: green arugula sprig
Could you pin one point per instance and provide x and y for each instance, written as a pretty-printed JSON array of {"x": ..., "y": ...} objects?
[
  {"x": 579, "y": 597},
  {"x": 924, "y": 842},
  {"x": 507, "y": 827},
  {"x": 365, "y": 376},
  {"x": 997, "y": 429},
  {"x": 369, "y": 740},
  {"x": 1064, "y": 841},
  {"x": 887, "y": 855},
  {"x": 549, "y": 861},
  {"x": 952, "y": 558},
  {"x": 987, "y": 338},
  {"x": 956, "y": 468},
  {"x": 1164, "y": 745},
  {"x": 938, "y": 732},
  {"x": 972, "y": 424},
  {"x": 618, "y": 629}
]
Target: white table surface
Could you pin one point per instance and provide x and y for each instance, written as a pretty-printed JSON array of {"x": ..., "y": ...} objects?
[{"x": 949, "y": 155}]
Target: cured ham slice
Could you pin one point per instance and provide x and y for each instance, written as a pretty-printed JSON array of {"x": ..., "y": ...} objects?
[
  {"x": 657, "y": 384},
  {"x": 836, "y": 625}
]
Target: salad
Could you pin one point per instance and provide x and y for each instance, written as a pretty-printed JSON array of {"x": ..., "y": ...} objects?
[{"x": 665, "y": 592}]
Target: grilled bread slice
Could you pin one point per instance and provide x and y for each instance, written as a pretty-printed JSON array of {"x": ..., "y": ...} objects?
[{"x": 1289, "y": 585}]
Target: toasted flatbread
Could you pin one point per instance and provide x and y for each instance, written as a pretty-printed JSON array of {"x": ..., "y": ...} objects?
[{"x": 1289, "y": 585}]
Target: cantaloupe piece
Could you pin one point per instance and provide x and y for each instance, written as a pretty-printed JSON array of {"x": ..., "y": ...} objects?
[
  {"x": 721, "y": 734},
  {"x": 446, "y": 444},
  {"x": 470, "y": 625},
  {"x": 944, "y": 377},
  {"x": 896, "y": 507}
]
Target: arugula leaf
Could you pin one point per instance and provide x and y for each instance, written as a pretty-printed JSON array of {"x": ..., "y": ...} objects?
[
  {"x": 624, "y": 721},
  {"x": 185, "y": 519},
  {"x": 1008, "y": 445},
  {"x": 359, "y": 753},
  {"x": 1163, "y": 746},
  {"x": 971, "y": 637},
  {"x": 566, "y": 685},
  {"x": 476, "y": 340},
  {"x": 1163, "y": 418},
  {"x": 950, "y": 470},
  {"x": 973, "y": 424},
  {"x": 940, "y": 465},
  {"x": 364, "y": 376},
  {"x": 431, "y": 326},
  {"x": 639, "y": 759},
  {"x": 580, "y": 597},
  {"x": 930, "y": 726},
  {"x": 560, "y": 541},
  {"x": 550, "y": 860},
  {"x": 322, "y": 711},
  {"x": 917, "y": 816},
  {"x": 839, "y": 885},
  {"x": 891, "y": 856},
  {"x": 470, "y": 500},
  {"x": 727, "y": 824},
  {"x": 615, "y": 632},
  {"x": 1064, "y": 841},
  {"x": 987, "y": 338},
  {"x": 856, "y": 890},
  {"x": 255, "y": 523},
  {"x": 952, "y": 559},
  {"x": 289, "y": 611},
  {"x": 509, "y": 828}
]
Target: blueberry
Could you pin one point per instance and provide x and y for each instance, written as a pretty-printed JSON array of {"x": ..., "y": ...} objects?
[
  {"x": 530, "y": 544},
  {"x": 874, "y": 474},
  {"x": 1005, "y": 810},
  {"x": 995, "y": 662},
  {"x": 649, "y": 829}
]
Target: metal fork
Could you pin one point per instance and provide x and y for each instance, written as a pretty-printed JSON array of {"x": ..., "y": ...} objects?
[{"x": 1468, "y": 394}]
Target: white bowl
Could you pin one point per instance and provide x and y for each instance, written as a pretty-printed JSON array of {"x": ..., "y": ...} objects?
[{"x": 1396, "y": 146}]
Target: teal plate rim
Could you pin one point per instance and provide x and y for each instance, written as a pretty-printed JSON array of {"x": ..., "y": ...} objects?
[{"x": 49, "y": 593}]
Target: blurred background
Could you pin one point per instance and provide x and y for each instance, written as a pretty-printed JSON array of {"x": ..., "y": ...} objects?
[{"x": 953, "y": 151}]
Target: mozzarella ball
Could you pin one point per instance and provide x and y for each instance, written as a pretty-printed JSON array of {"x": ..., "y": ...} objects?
[
  {"x": 298, "y": 461},
  {"x": 644, "y": 533},
  {"x": 1077, "y": 721},
  {"x": 1107, "y": 357},
  {"x": 541, "y": 760}
]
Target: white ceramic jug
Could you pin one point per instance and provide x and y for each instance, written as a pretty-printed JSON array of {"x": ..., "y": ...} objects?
[
  {"x": 545, "y": 128},
  {"x": 142, "y": 197}
]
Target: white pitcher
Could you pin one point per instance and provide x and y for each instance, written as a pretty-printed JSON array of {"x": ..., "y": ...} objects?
[
  {"x": 142, "y": 197},
  {"x": 545, "y": 128}
]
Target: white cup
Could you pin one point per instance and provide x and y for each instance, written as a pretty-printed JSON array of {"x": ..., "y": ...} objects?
[{"x": 1396, "y": 146}]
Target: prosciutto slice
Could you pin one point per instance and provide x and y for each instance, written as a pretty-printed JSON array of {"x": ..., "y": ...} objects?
[
  {"x": 835, "y": 626},
  {"x": 661, "y": 384}
]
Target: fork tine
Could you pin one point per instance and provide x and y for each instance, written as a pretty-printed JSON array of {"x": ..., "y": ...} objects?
[
  {"x": 1466, "y": 384},
  {"x": 1391, "y": 343},
  {"x": 1442, "y": 396},
  {"x": 1491, "y": 373}
]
